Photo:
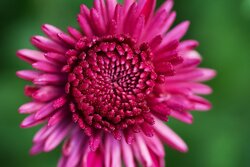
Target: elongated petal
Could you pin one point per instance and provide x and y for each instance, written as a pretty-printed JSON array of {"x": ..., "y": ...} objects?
[
  {"x": 30, "y": 107},
  {"x": 46, "y": 67},
  {"x": 75, "y": 33},
  {"x": 182, "y": 116},
  {"x": 127, "y": 154},
  {"x": 67, "y": 39},
  {"x": 56, "y": 137},
  {"x": 28, "y": 75},
  {"x": 47, "y": 45},
  {"x": 143, "y": 150},
  {"x": 148, "y": 8},
  {"x": 116, "y": 154},
  {"x": 177, "y": 33},
  {"x": 170, "y": 137},
  {"x": 52, "y": 32},
  {"x": 85, "y": 25},
  {"x": 56, "y": 57},
  {"x": 31, "y": 56},
  {"x": 50, "y": 79},
  {"x": 45, "y": 111},
  {"x": 30, "y": 121}
]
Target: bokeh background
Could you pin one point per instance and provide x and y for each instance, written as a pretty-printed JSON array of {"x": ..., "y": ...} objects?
[{"x": 219, "y": 138}]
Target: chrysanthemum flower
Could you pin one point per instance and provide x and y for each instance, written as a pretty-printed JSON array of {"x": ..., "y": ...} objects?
[{"x": 107, "y": 89}]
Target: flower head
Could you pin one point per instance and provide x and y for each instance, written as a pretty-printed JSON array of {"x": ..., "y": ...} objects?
[{"x": 108, "y": 88}]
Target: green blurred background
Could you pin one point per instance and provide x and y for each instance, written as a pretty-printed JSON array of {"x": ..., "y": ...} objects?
[{"x": 219, "y": 138}]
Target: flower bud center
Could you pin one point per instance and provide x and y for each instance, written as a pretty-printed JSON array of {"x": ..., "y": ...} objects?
[{"x": 108, "y": 80}]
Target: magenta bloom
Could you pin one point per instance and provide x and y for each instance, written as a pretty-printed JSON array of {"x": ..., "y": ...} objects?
[{"x": 107, "y": 89}]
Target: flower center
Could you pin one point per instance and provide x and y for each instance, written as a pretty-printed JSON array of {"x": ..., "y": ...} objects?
[{"x": 109, "y": 78}]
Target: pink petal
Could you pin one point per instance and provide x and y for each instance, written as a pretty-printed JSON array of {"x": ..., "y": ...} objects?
[
  {"x": 75, "y": 33},
  {"x": 147, "y": 129},
  {"x": 30, "y": 107},
  {"x": 85, "y": 25},
  {"x": 95, "y": 141},
  {"x": 107, "y": 151},
  {"x": 118, "y": 18},
  {"x": 148, "y": 8},
  {"x": 94, "y": 159},
  {"x": 56, "y": 57},
  {"x": 170, "y": 137},
  {"x": 75, "y": 156},
  {"x": 177, "y": 33},
  {"x": 155, "y": 42},
  {"x": 67, "y": 39},
  {"x": 36, "y": 148},
  {"x": 127, "y": 154},
  {"x": 45, "y": 111},
  {"x": 47, "y": 93},
  {"x": 166, "y": 52},
  {"x": 188, "y": 45},
  {"x": 50, "y": 79},
  {"x": 84, "y": 10},
  {"x": 43, "y": 133},
  {"x": 131, "y": 17},
  {"x": 143, "y": 150},
  {"x": 207, "y": 74},
  {"x": 191, "y": 86},
  {"x": 139, "y": 26},
  {"x": 60, "y": 102},
  {"x": 46, "y": 67},
  {"x": 31, "y": 56},
  {"x": 100, "y": 6},
  {"x": 52, "y": 31},
  {"x": 157, "y": 161},
  {"x": 115, "y": 154},
  {"x": 47, "y": 45},
  {"x": 96, "y": 20},
  {"x": 167, "y": 23},
  {"x": 166, "y": 6},
  {"x": 62, "y": 161},
  {"x": 191, "y": 60},
  {"x": 129, "y": 136},
  {"x": 197, "y": 75},
  {"x": 159, "y": 24},
  {"x": 182, "y": 116},
  {"x": 28, "y": 75},
  {"x": 127, "y": 5},
  {"x": 55, "y": 138},
  {"x": 57, "y": 117},
  {"x": 76, "y": 139},
  {"x": 155, "y": 145},
  {"x": 200, "y": 103},
  {"x": 110, "y": 7},
  {"x": 30, "y": 121}
]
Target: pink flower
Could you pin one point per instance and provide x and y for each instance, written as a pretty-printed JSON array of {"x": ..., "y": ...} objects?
[{"x": 108, "y": 89}]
